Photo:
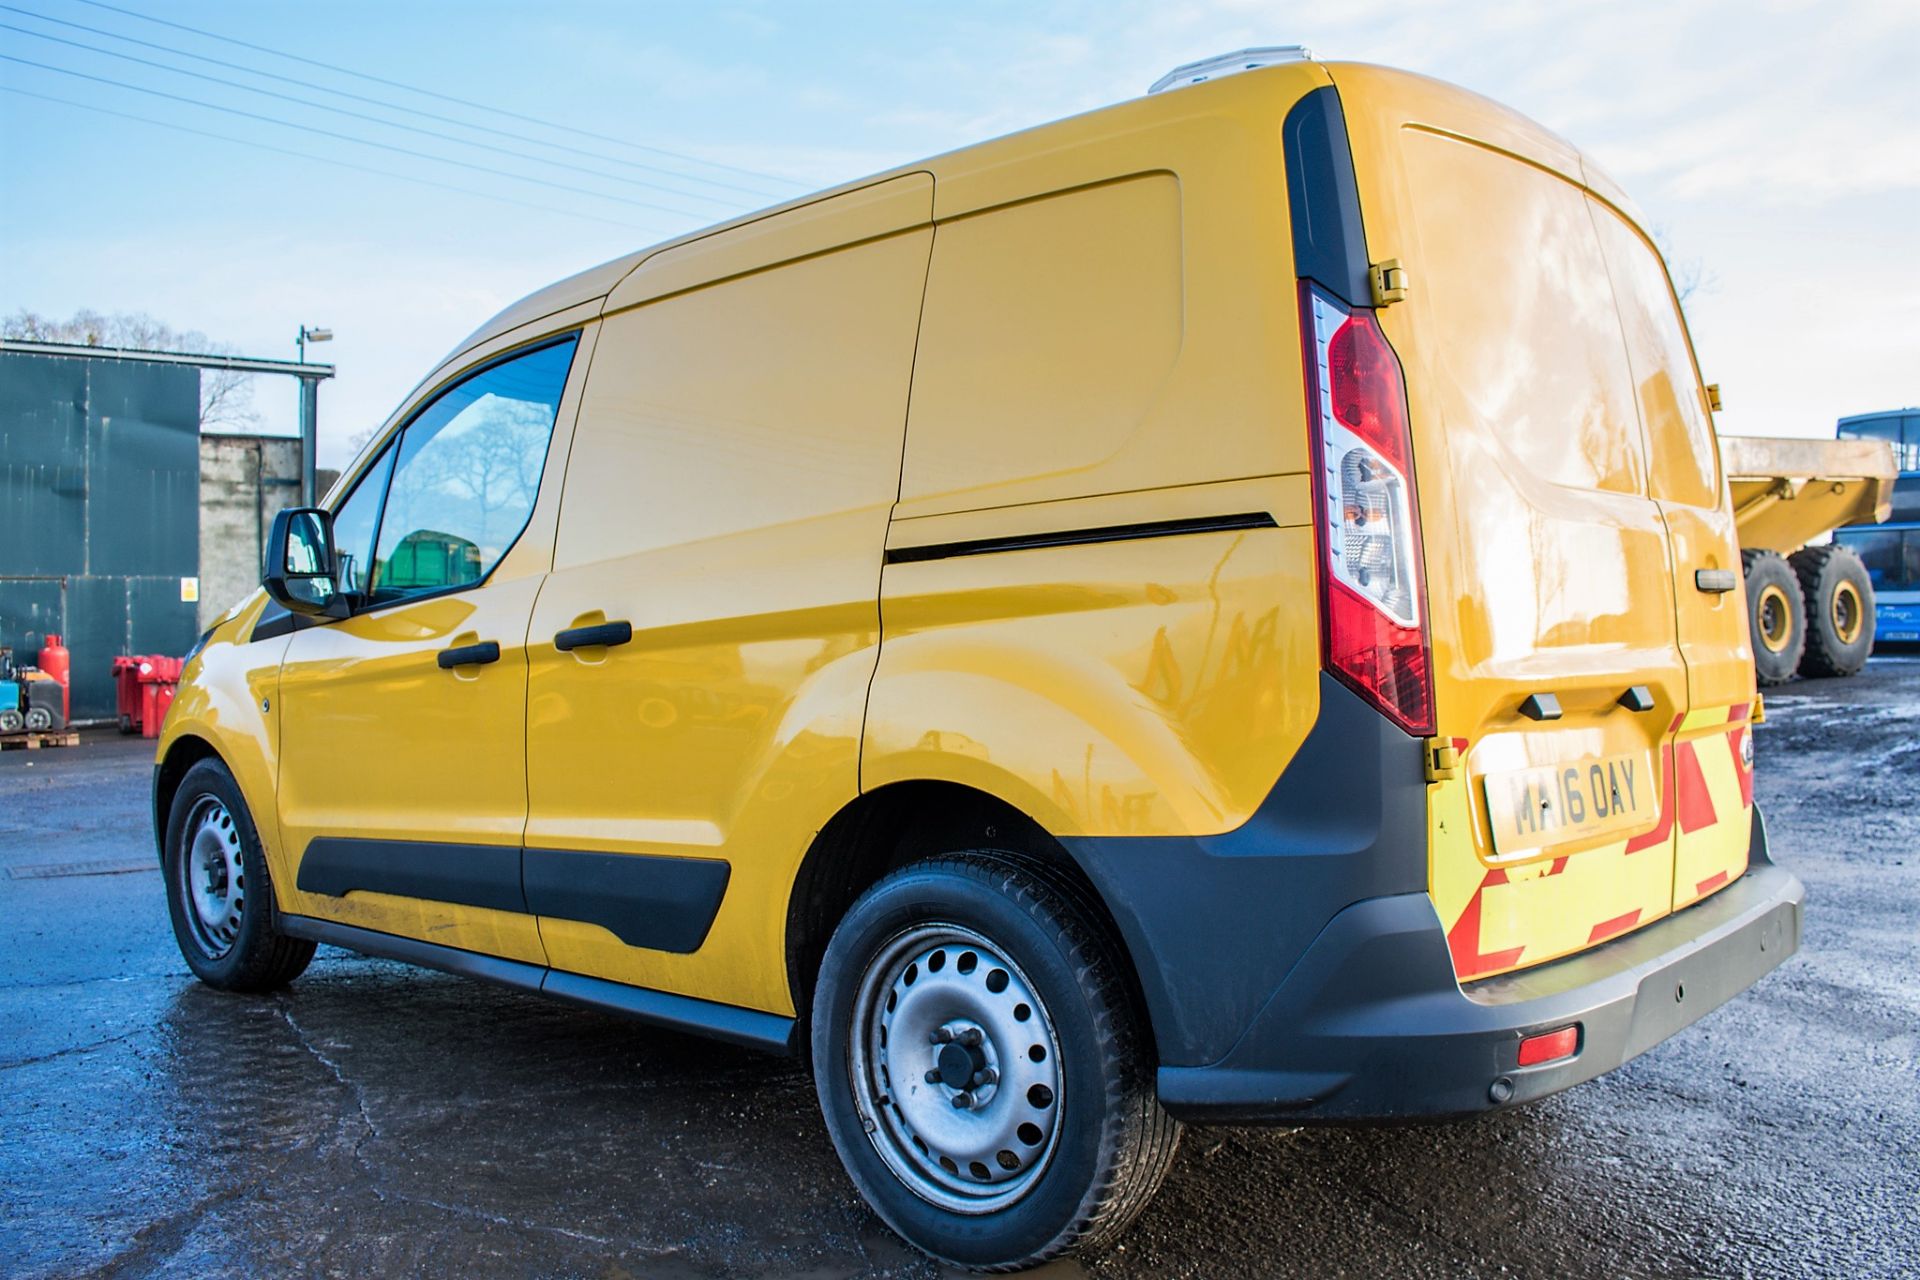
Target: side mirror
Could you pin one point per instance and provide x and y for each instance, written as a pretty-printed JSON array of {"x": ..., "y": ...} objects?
[{"x": 299, "y": 571}]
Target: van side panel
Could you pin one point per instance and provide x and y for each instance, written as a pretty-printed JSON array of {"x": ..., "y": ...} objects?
[
  {"x": 1141, "y": 687},
  {"x": 1110, "y": 345},
  {"x": 1109, "y": 308},
  {"x": 727, "y": 496}
]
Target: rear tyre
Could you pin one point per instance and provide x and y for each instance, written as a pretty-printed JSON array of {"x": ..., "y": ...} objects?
[
  {"x": 219, "y": 893},
  {"x": 981, "y": 1065},
  {"x": 11, "y": 721},
  {"x": 1775, "y": 616},
  {"x": 1838, "y": 598}
]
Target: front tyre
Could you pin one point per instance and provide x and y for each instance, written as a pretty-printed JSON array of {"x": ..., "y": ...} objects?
[
  {"x": 981, "y": 1066},
  {"x": 219, "y": 894}
]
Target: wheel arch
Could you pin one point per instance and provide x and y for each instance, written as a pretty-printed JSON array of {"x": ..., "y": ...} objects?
[
  {"x": 185, "y": 751},
  {"x": 900, "y": 823}
]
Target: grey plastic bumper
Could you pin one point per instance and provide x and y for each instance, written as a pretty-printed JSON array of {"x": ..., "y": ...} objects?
[{"x": 1370, "y": 1025}]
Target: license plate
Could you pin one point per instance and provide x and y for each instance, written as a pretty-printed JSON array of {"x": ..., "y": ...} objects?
[{"x": 1556, "y": 804}]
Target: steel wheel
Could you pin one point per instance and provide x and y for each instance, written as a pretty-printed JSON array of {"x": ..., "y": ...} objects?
[
  {"x": 213, "y": 878},
  {"x": 955, "y": 1068},
  {"x": 1848, "y": 612},
  {"x": 1776, "y": 619}
]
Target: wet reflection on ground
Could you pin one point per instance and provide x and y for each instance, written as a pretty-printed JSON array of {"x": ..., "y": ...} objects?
[{"x": 377, "y": 1120}]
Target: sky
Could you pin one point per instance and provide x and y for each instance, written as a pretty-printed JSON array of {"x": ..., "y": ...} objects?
[{"x": 1775, "y": 148}]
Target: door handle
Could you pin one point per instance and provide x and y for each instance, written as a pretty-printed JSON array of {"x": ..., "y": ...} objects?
[
  {"x": 469, "y": 655},
  {"x": 605, "y": 634},
  {"x": 1715, "y": 581}
]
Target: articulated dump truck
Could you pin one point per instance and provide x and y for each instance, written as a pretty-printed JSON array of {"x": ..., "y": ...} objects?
[{"x": 1810, "y": 608}]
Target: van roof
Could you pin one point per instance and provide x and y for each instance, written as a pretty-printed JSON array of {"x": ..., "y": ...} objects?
[{"x": 1514, "y": 131}]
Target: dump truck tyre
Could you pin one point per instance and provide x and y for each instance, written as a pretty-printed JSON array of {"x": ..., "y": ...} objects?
[
  {"x": 1838, "y": 597},
  {"x": 1776, "y": 616}
]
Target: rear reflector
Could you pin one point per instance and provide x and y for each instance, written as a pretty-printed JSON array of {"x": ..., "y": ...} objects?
[{"x": 1549, "y": 1046}]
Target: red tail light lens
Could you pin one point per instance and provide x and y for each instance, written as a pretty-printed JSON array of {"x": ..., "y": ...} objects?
[{"x": 1373, "y": 581}]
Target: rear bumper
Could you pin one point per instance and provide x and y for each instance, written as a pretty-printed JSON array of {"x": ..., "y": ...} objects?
[{"x": 1370, "y": 1025}]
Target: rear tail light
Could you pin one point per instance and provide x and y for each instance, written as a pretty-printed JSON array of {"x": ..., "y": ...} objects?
[{"x": 1372, "y": 576}]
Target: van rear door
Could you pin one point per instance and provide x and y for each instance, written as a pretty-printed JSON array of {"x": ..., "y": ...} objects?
[
  {"x": 1556, "y": 659},
  {"x": 1712, "y": 757}
]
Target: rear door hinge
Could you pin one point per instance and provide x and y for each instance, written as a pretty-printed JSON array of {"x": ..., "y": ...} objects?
[
  {"x": 1443, "y": 759},
  {"x": 1389, "y": 282},
  {"x": 1713, "y": 396}
]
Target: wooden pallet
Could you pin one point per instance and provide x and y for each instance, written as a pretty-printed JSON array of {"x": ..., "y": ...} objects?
[{"x": 35, "y": 741}]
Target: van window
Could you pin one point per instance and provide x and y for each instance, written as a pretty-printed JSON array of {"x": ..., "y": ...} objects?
[
  {"x": 1508, "y": 254},
  {"x": 1892, "y": 556},
  {"x": 1680, "y": 443},
  {"x": 1905, "y": 442},
  {"x": 466, "y": 475},
  {"x": 1052, "y": 323},
  {"x": 353, "y": 524}
]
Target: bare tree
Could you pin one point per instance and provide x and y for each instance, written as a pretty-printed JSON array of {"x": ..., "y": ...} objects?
[
  {"x": 226, "y": 397},
  {"x": 1690, "y": 275}
]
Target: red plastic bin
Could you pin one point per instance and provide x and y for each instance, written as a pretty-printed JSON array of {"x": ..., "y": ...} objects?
[{"x": 143, "y": 687}]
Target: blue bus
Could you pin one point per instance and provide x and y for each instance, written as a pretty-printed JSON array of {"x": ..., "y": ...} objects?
[{"x": 1891, "y": 551}]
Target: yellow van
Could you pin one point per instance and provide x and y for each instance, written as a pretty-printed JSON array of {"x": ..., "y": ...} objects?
[{"x": 1224, "y": 608}]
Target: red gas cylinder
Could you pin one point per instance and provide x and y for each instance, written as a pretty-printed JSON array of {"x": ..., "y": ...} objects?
[{"x": 58, "y": 663}]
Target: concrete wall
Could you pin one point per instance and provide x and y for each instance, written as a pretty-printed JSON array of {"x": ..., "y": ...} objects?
[{"x": 244, "y": 480}]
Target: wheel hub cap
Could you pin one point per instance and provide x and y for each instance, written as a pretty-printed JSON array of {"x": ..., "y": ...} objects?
[
  {"x": 956, "y": 1069},
  {"x": 213, "y": 876}
]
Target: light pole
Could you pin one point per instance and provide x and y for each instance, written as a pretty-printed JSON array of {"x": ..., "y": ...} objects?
[
  {"x": 310, "y": 419},
  {"x": 307, "y": 335}
]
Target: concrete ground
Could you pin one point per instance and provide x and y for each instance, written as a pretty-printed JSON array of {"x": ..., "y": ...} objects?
[{"x": 380, "y": 1120}]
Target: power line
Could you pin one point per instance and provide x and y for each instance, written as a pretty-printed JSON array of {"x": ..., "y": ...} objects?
[
  {"x": 429, "y": 93},
  {"x": 361, "y": 115},
  {"x": 390, "y": 105},
  {"x": 346, "y": 137},
  {"x": 307, "y": 155}
]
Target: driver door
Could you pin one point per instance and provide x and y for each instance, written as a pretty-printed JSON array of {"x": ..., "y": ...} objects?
[{"x": 403, "y": 727}]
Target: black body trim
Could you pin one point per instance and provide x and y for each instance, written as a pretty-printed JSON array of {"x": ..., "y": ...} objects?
[
  {"x": 1214, "y": 923},
  {"x": 1077, "y": 537},
  {"x": 472, "y": 875},
  {"x": 605, "y": 634},
  {"x": 661, "y": 903},
  {"x": 646, "y": 900},
  {"x": 1371, "y": 1026},
  {"x": 769, "y": 1032},
  {"x": 469, "y": 655},
  {"x": 1329, "y": 243},
  {"x": 275, "y": 620}
]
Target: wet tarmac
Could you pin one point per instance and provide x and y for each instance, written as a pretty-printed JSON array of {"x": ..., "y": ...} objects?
[{"x": 375, "y": 1120}]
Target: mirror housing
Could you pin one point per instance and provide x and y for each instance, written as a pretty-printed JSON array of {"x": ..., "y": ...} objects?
[{"x": 299, "y": 574}]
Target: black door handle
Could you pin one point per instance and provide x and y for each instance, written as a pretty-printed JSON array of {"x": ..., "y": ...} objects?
[
  {"x": 469, "y": 655},
  {"x": 606, "y": 634}
]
